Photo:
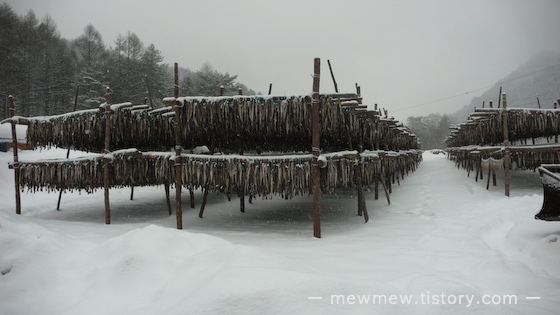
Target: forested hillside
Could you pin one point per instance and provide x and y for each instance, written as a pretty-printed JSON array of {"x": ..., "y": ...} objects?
[
  {"x": 42, "y": 70},
  {"x": 537, "y": 78}
]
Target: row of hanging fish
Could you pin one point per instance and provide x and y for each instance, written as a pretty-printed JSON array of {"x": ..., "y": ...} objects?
[
  {"x": 226, "y": 125},
  {"x": 522, "y": 157},
  {"x": 485, "y": 126},
  {"x": 246, "y": 175}
]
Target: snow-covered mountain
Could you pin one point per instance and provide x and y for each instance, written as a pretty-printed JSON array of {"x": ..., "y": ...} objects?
[{"x": 538, "y": 77}]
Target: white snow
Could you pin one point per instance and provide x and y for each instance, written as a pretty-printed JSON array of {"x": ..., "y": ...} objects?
[
  {"x": 6, "y": 132},
  {"x": 445, "y": 242}
]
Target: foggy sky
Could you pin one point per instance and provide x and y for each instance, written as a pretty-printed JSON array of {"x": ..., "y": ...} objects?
[{"x": 403, "y": 54}]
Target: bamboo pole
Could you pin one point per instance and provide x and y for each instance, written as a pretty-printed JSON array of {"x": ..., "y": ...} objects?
[
  {"x": 178, "y": 151},
  {"x": 332, "y": 75},
  {"x": 106, "y": 161},
  {"x": 68, "y": 152},
  {"x": 316, "y": 140},
  {"x": 507, "y": 157},
  {"x": 16, "y": 157}
]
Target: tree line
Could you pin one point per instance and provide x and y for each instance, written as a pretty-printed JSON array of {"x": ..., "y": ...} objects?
[
  {"x": 431, "y": 130},
  {"x": 43, "y": 71}
]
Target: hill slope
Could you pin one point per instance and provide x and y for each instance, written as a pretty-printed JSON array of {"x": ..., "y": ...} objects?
[{"x": 538, "y": 77}]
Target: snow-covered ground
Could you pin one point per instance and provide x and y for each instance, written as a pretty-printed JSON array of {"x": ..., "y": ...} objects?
[{"x": 444, "y": 245}]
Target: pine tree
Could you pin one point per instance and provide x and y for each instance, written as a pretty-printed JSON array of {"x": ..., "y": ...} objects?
[
  {"x": 9, "y": 65},
  {"x": 208, "y": 82},
  {"x": 156, "y": 77},
  {"x": 91, "y": 55},
  {"x": 126, "y": 77},
  {"x": 55, "y": 70}
]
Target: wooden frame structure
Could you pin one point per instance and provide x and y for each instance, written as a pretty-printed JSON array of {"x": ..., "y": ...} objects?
[
  {"x": 485, "y": 140},
  {"x": 259, "y": 146}
]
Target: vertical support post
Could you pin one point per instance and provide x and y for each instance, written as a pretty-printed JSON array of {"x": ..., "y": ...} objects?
[
  {"x": 178, "y": 151},
  {"x": 68, "y": 152},
  {"x": 507, "y": 157},
  {"x": 242, "y": 201},
  {"x": 16, "y": 157},
  {"x": 362, "y": 208},
  {"x": 203, "y": 205},
  {"x": 555, "y": 107},
  {"x": 167, "y": 198},
  {"x": 106, "y": 151},
  {"x": 500, "y": 97},
  {"x": 315, "y": 143}
]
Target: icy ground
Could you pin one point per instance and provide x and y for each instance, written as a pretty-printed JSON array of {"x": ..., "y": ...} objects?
[{"x": 445, "y": 245}]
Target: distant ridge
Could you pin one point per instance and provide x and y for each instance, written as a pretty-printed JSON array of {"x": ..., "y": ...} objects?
[{"x": 538, "y": 77}]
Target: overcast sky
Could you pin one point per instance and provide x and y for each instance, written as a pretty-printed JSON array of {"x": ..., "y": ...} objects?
[{"x": 403, "y": 54}]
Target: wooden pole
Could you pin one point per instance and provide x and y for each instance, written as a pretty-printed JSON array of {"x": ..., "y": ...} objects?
[
  {"x": 191, "y": 194},
  {"x": 167, "y": 198},
  {"x": 203, "y": 205},
  {"x": 270, "y": 89},
  {"x": 499, "y": 97},
  {"x": 332, "y": 75},
  {"x": 507, "y": 157},
  {"x": 178, "y": 151},
  {"x": 106, "y": 160},
  {"x": 556, "y": 135},
  {"x": 489, "y": 173},
  {"x": 16, "y": 157},
  {"x": 315, "y": 143},
  {"x": 362, "y": 208},
  {"x": 68, "y": 152},
  {"x": 242, "y": 201},
  {"x": 383, "y": 181}
]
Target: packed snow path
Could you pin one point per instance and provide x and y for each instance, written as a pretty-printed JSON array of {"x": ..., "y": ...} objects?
[{"x": 445, "y": 245}]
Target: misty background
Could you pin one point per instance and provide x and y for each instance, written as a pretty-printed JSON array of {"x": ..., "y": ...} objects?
[{"x": 426, "y": 62}]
